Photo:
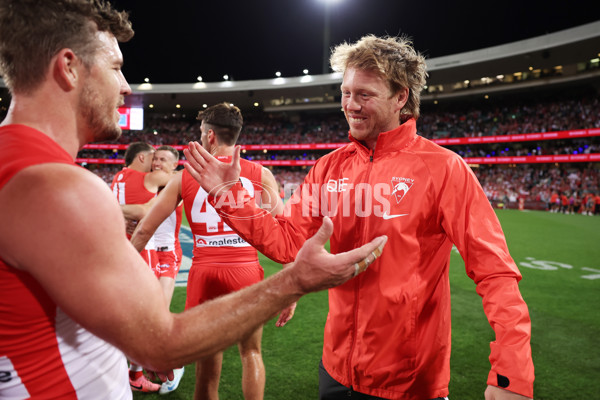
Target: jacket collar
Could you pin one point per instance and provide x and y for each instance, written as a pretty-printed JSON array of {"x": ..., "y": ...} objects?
[{"x": 390, "y": 141}]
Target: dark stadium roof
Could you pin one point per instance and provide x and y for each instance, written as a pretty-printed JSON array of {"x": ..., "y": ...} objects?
[
  {"x": 180, "y": 40},
  {"x": 251, "y": 40},
  {"x": 567, "y": 49}
]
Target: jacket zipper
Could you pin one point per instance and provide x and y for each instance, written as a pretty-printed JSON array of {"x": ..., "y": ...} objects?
[{"x": 354, "y": 331}]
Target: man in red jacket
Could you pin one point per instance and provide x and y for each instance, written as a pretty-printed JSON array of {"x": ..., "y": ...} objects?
[{"x": 387, "y": 334}]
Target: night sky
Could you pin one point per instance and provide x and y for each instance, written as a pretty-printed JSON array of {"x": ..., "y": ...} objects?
[{"x": 178, "y": 40}]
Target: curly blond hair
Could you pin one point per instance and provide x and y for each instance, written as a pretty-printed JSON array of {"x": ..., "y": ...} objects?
[{"x": 393, "y": 58}]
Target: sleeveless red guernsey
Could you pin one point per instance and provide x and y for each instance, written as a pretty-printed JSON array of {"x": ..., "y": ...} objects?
[
  {"x": 128, "y": 187},
  {"x": 213, "y": 239},
  {"x": 43, "y": 352}
]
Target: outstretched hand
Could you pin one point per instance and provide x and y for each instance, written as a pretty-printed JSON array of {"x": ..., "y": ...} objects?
[
  {"x": 316, "y": 269},
  {"x": 286, "y": 315},
  {"x": 214, "y": 176}
]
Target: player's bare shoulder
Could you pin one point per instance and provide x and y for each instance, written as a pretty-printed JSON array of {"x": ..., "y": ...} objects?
[
  {"x": 157, "y": 179},
  {"x": 43, "y": 201}
]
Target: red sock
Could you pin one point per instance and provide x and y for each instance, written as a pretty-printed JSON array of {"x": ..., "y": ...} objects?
[{"x": 133, "y": 375}]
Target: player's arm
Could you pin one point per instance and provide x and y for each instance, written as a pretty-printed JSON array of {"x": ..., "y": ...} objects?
[
  {"x": 82, "y": 258},
  {"x": 270, "y": 199},
  {"x": 164, "y": 204},
  {"x": 135, "y": 212},
  {"x": 156, "y": 179},
  {"x": 96, "y": 276},
  {"x": 472, "y": 225}
]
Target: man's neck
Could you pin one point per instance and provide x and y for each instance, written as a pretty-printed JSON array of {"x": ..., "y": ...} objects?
[
  {"x": 222, "y": 151},
  {"x": 51, "y": 120},
  {"x": 137, "y": 167}
]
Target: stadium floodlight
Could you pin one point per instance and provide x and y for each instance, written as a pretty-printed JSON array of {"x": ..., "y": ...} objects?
[{"x": 326, "y": 34}]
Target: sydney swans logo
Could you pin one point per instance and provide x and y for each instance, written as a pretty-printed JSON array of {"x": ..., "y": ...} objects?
[{"x": 401, "y": 187}]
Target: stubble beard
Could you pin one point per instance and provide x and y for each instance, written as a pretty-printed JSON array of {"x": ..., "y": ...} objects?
[{"x": 98, "y": 117}]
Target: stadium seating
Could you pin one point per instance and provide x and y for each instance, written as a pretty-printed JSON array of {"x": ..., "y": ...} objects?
[{"x": 454, "y": 125}]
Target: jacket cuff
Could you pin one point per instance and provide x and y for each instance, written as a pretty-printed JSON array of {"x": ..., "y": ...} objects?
[{"x": 514, "y": 384}]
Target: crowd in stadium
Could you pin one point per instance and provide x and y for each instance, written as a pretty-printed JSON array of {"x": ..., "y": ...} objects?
[
  {"x": 576, "y": 185},
  {"x": 435, "y": 122},
  {"x": 566, "y": 188},
  {"x": 512, "y": 118}
]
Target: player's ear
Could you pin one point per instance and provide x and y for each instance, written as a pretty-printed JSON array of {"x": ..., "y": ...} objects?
[
  {"x": 66, "y": 69},
  {"x": 212, "y": 137},
  {"x": 402, "y": 98}
]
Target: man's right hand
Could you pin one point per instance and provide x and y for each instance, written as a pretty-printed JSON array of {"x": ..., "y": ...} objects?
[
  {"x": 214, "y": 176},
  {"x": 315, "y": 269}
]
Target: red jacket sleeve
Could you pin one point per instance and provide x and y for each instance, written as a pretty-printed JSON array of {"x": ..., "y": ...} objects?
[
  {"x": 278, "y": 238},
  {"x": 471, "y": 224}
]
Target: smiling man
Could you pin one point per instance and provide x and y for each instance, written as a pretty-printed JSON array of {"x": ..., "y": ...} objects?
[{"x": 387, "y": 335}]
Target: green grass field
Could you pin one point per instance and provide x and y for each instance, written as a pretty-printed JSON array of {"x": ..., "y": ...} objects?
[{"x": 557, "y": 255}]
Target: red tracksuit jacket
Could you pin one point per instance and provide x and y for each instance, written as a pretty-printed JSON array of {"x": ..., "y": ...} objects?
[{"x": 388, "y": 330}]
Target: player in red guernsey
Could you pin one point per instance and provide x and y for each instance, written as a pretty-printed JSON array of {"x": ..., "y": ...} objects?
[
  {"x": 165, "y": 239},
  {"x": 75, "y": 294},
  {"x": 136, "y": 184},
  {"x": 223, "y": 262}
]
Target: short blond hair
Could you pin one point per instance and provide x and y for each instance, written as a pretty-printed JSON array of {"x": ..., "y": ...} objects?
[{"x": 393, "y": 58}]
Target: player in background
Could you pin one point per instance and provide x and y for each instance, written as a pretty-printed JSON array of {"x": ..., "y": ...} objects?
[
  {"x": 166, "y": 237},
  {"x": 166, "y": 241},
  {"x": 222, "y": 261},
  {"x": 137, "y": 184}
]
